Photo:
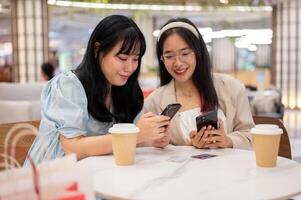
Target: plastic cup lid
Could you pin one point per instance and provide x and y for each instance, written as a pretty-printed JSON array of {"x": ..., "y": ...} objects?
[
  {"x": 266, "y": 126},
  {"x": 124, "y": 128},
  {"x": 266, "y": 129}
]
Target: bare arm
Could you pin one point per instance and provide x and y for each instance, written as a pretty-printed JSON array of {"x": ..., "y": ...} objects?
[
  {"x": 151, "y": 128},
  {"x": 87, "y": 146}
]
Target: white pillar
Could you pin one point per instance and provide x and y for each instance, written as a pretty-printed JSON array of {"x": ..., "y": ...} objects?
[
  {"x": 145, "y": 21},
  {"x": 263, "y": 55},
  {"x": 223, "y": 55},
  {"x": 287, "y": 50},
  {"x": 30, "y": 38}
]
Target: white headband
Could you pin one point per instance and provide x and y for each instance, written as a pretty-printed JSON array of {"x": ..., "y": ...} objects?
[{"x": 178, "y": 24}]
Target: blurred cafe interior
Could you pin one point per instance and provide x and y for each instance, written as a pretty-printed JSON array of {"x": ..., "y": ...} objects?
[{"x": 256, "y": 41}]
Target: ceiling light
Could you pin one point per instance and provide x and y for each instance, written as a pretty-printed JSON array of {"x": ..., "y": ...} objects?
[
  {"x": 156, "y": 33},
  {"x": 252, "y": 47},
  {"x": 153, "y": 7},
  {"x": 224, "y": 1},
  {"x": 125, "y": 6}
]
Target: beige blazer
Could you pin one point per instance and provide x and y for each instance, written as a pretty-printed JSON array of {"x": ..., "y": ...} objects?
[{"x": 232, "y": 101}]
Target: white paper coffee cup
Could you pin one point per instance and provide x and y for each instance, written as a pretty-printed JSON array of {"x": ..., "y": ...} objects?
[
  {"x": 124, "y": 140},
  {"x": 266, "y": 139}
]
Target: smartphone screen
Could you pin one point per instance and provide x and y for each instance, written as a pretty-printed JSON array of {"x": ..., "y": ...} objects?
[
  {"x": 206, "y": 119},
  {"x": 171, "y": 110}
]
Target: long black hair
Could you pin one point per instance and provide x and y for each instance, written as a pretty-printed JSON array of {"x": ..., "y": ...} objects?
[
  {"x": 202, "y": 76},
  {"x": 127, "y": 100}
]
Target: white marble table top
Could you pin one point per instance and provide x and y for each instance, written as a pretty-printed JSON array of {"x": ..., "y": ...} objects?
[{"x": 171, "y": 173}]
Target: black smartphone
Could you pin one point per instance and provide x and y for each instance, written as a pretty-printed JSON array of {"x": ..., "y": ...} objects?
[
  {"x": 206, "y": 119},
  {"x": 171, "y": 110}
]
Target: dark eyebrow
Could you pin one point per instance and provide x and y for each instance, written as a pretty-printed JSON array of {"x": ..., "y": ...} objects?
[
  {"x": 186, "y": 48},
  {"x": 167, "y": 51},
  {"x": 136, "y": 55},
  {"x": 132, "y": 54},
  {"x": 183, "y": 49}
]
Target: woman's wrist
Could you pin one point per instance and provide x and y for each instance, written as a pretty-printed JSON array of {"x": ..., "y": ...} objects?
[
  {"x": 142, "y": 142},
  {"x": 141, "y": 139},
  {"x": 229, "y": 142}
]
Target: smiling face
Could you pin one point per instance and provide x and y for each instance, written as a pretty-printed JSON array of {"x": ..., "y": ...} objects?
[
  {"x": 118, "y": 67},
  {"x": 179, "y": 59}
]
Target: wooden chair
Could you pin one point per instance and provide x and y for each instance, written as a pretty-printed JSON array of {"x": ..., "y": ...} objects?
[
  {"x": 285, "y": 147},
  {"x": 22, "y": 145}
]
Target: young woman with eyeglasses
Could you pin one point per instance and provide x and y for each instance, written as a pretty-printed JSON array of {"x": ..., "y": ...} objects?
[{"x": 186, "y": 77}]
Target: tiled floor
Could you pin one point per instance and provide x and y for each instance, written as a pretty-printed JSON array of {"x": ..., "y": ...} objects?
[{"x": 292, "y": 122}]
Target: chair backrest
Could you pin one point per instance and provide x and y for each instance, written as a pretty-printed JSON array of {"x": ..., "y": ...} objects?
[
  {"x": 21, "y": 91},
  {"x": 285, "y": 147},
  {"x": 22, "y": 145},
  {"x": 16, "y": 111}
]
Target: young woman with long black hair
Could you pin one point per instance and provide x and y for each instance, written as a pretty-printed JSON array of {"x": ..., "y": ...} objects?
[
  {"x": 80, "y": 106},
  {"x": 186, "y": 78}
]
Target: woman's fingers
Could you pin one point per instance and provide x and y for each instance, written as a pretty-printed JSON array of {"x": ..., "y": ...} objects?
[
  {"x": 214, "y": 139},
  {"x": 200, "y": 138},
  {"x": 200, "y": 134},
  {"x": 163, "y": 123},
  {"x": 161, "y": 130},
  {"x": 192, "y": 134},
  {"x": 148, "y": 114},
  {"x": 162, "y": 140},
  {"x": 155, "y": 120},
  {"x": 206, "y": 137},
  {"x": 216, "y": 133},
  {"x": 219, "y": 141},
  {"x": 160, "y": 118},
  {"x": 161, "y": 143},
  {"x": 213, "y": 145}
]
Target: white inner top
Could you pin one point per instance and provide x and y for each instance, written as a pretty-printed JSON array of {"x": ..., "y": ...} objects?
[{"x": 124, "y": 128}]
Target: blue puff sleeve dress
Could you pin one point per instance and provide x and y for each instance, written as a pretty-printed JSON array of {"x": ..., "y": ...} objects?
[{"x": 64, "y": 111}]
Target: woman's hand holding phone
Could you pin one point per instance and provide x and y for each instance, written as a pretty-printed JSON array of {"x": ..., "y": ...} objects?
[
  {"x": 209, "y": 137},
  {"x": 218, "y": 138},
  {"x": 162, "y": 142},
  {"x": 170, "y": 111},
  {"x": 152, "y": 127},
  {"x": 199, "y": 139}
]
